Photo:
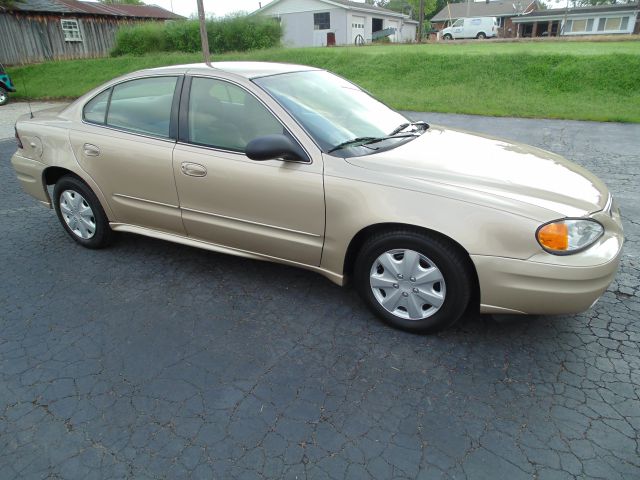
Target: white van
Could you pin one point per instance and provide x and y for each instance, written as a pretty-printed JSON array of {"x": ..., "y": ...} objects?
[{"x": 478, "y": 27}]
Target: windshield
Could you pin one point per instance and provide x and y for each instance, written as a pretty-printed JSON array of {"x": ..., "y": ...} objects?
[{"x": 332, "y": 110}]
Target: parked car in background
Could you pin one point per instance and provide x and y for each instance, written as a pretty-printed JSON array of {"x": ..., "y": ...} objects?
[
  {"x": 5, "y": 85},
  {"x": 296, "y": 165},
  {"x": 477, "y": 27}
]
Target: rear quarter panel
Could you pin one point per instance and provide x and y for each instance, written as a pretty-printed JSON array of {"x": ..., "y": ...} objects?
[{"x": 46, "y": 144}]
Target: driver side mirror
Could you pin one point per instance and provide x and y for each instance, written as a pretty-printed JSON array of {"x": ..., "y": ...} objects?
[{"x": 271, "y": 147}]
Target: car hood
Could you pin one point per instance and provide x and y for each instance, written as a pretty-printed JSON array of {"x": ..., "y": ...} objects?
[{"x": 493, "y": 166}]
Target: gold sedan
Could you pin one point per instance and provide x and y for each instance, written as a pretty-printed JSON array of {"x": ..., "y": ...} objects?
[{"x": 295, "y": 165}]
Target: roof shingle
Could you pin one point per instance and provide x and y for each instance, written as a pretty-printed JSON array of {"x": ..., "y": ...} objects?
[
  {"x": 94, "y": 8},
  {"x": 500, "y": 8},
  {"x": 581, "y": 10}
]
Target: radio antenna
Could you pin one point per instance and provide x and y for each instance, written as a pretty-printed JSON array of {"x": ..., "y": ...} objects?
[{"x": 24, "y": 85}]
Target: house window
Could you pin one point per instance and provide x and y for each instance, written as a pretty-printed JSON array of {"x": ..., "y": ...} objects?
[
  {"x": 321, "y": 21},
  {"x": 589, "y": 24},
  {"x": 601, "y": 24},
  {"x": 578, "y": 26},
  {"x": 625, "y": 23},
  {"x": 498, "y": 21},
  {"x": 613, "y": 23},
  {"x": 71, "y": 30}
]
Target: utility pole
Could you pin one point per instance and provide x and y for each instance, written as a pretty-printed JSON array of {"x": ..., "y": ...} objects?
[
  {"x": 203, "y": 34},
  {"x": 421, "y": 21}
]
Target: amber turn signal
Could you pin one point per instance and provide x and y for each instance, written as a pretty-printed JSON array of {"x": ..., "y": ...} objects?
[{"x": 554, "y": 236}]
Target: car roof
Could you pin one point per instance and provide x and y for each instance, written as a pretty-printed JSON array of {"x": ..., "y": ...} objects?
[{"x": 244, "y": 69}]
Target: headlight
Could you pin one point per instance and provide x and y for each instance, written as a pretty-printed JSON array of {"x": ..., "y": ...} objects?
[{"x": 563, "y": 237}]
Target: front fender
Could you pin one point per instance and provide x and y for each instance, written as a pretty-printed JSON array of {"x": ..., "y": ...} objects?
[{"x": 353, "y": 204}]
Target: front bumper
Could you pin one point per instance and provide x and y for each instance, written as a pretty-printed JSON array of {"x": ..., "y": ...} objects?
[{"x": 549, "y": 284}]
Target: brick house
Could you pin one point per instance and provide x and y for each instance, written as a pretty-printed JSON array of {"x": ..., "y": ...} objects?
[{"x": 504, "y": 11}]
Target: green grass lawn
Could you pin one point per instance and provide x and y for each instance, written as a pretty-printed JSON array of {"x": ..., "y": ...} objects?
[{"x": 571, "y": 80}]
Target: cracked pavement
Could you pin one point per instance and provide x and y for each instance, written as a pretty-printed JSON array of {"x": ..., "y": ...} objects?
[{"x": 155, "y": 360}]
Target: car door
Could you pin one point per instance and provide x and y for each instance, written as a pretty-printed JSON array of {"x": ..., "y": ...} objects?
[
  {"x": 274, "y": 207},
  {"x": 125, "y": 143},
  {"x": 458, "y": 28},
  {"x": 475, "y": 27}
]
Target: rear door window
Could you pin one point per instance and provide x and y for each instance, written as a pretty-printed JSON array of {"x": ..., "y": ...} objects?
[{"x": 143, "y": 105}]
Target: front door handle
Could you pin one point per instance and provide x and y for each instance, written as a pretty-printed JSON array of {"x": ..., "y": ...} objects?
[
  {"x": 193, "y": 169},
  {"x": 91, "y": 150}
]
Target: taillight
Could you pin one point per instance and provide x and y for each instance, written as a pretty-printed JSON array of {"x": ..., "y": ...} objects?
[{"x": 18, "y": 138}]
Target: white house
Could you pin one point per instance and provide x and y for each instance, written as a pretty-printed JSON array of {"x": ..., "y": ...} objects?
[
  {"x": 621, "y": 18},
  {"x": 308, "y": 23}
]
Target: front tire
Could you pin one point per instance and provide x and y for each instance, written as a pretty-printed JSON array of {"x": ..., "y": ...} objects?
[
  {"x": 4, "y": 96},
  {"x": 413, "y": 281},
  {"x": 447, "y": 37},
  {"x": 81, "y": 214}
]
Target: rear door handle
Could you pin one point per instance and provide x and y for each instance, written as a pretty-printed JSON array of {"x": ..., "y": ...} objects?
[
  {"x": 91, "y": 150},
  {"x": 193, "y": 169}
]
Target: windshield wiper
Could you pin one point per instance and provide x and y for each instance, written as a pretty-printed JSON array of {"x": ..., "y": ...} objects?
[
  {"x": 368, "y": 140},
  {"x": 353, "y": 141},
  {"x": 424, "y": 125}
]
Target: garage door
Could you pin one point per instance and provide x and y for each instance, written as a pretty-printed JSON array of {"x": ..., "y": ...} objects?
[
  {"x": 393, "y": 24},
  {"x": 357, "y": 28}
]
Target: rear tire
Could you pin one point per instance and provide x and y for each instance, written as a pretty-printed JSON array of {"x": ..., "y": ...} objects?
[
  {"x": 436, "y": 292},
  {"x": 481, "y": 36},
  {"x": 80, "y": 213},
  {"x": 4, "y": 96}
]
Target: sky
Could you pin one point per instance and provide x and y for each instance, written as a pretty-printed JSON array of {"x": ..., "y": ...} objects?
[
  {"x": 211, "y": 7},
  {"x": 220, "y": 8}
]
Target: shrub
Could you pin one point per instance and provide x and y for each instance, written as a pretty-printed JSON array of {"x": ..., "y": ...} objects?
[
  {"x": 237, "y": 33},
  {"x": 140, "y": 38}
]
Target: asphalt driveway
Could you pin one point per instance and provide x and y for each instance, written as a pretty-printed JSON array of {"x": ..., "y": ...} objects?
[{"x": 154, "y": 360}]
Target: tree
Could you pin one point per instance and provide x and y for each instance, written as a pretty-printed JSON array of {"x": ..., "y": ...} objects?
[
  {"x": 585, "y": 3},
  {"x": 122, "y": 2},
  {"x": 440, "y": 4},
  {"x": 410, "y": 7}
]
